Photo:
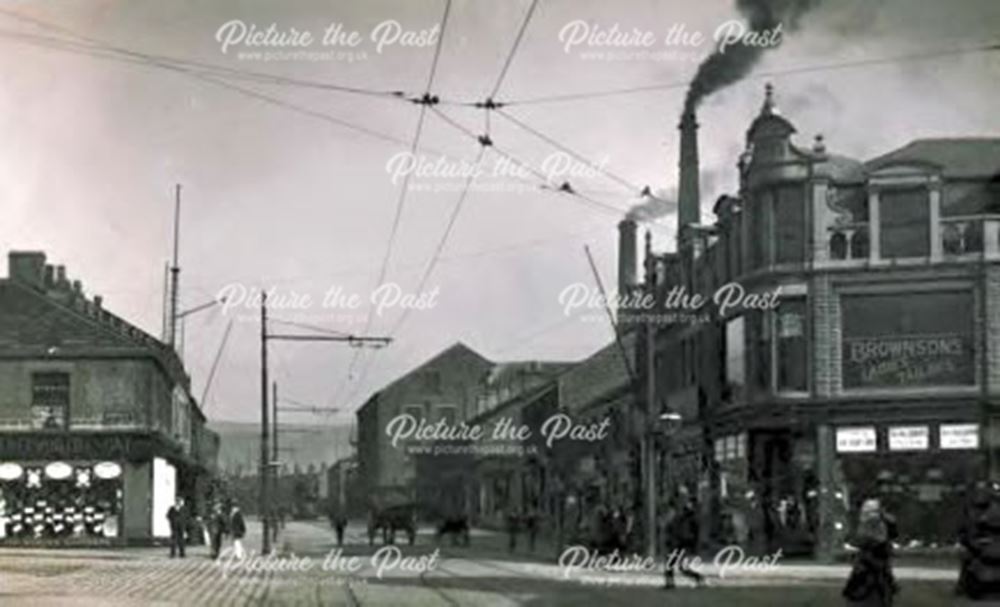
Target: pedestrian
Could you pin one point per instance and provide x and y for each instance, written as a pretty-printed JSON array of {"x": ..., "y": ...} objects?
[
  {"x": 531, "y": 524},
  {"x": 871, "y": 581},
  {"x": 238, "y": 528},
  {"x": 217, "y": 524},
  {"x": 513, "y": 528},
  {"x": 339, "y": 523},
  {"x": 681, "y": 545},
  {"x": 178, "y": 520}
]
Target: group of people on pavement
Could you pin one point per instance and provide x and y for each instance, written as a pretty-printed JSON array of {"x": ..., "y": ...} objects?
[
  {"x": 219, "y": 523},
  {"x": 528, "y": 521}
]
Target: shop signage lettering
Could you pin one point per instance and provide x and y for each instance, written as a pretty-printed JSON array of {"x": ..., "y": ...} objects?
[
  {"x": 907, "y": 360},
  {"x": 909, "y": 438},
  {"x": 856, "y": 440},
  {"x": 40, "y": 446},
  {"x": 959, "y": 436}
]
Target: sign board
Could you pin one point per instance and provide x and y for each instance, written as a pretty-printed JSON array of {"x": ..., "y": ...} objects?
[
  {"x": 856, "y": 440},
  {"x": 907, "y": 339},
  {"x": 909, "y": 438},
  {"x": 959, "y": 436}
]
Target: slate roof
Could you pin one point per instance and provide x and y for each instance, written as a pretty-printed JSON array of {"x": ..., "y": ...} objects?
[{"x": 957, "y": 157}]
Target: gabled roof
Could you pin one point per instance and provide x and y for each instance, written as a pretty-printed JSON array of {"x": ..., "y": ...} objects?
[
  {"x": 452, "y": 350},
  {"x": 963, "y": 157}
]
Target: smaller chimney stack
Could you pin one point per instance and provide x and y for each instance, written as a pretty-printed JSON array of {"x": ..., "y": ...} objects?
[
  {"x": 626, "y": 255},
  {"x": 61, "y": 281}
]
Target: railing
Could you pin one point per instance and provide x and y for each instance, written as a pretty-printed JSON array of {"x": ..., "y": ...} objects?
[
  {"x": 849, "y": 242},
  {"x": 970, "y": 235}
]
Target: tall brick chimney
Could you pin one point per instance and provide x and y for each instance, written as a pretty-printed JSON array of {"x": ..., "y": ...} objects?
[
  {"x": 688, "y": 196},
  {"x": 626, "y": 255}
]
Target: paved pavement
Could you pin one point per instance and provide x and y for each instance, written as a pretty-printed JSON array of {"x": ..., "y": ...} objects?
[{"x": 310, "y": 571}]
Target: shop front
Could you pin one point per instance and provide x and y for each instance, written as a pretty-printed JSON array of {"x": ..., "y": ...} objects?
[
  {"x": 920, "y": 472},
  {"x": 102, "y": 488}
]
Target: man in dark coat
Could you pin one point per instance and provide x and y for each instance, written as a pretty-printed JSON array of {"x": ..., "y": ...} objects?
[
  {"x": 178, "y": 519},
  {"x": 682, "y": 545},
  {"x": 218, "y": 525}
]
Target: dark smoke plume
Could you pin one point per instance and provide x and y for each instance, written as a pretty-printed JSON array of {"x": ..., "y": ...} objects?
[{"x": 722, "y": 69}]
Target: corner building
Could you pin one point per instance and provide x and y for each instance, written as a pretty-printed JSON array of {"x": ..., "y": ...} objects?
[{"x": 877, "y": 374}]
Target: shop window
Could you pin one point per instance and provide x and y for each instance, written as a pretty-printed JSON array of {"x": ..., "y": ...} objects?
[
  {"x": 50, "y": 399},
  {"x": 60, "y": 501},
  {"x": 905, "y": 223},
  {"x": 792, "y": 346}
]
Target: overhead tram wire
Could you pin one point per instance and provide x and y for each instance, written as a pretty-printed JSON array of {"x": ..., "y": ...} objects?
[
  {"x": 484, "y": 141},
  {"x": 309, "y": 327},
  {"x": 426, "y": 101},
  {"x": 244, "y": 74},
  {"x": 844, "y": 65},
  {"x": 96, "y": 51},
  {"x": 442, "y": 241},
  {"x": 513, "y": 49},
  {"x": 544, "y": 184},
  {"x": 631, "y": 187}
]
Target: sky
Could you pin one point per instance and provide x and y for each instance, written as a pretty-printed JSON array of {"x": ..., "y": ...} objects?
[{"x": 277, "y": 193}]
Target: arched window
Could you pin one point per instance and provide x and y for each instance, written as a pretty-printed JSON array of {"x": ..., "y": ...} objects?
[
  {"x": 859, "y": 245},
  {"x": 838, "y": 246}
]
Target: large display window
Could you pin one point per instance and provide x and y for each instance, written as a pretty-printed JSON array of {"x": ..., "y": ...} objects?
[{"x": 53, "y": 500}]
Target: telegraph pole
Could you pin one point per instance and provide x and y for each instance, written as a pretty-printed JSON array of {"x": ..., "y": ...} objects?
[
  {"x": 266, "y": 460},
  {"x": 274, "y": 456},
  {"x": 175, "y": 270},
  {"x": 649, "y": 439},
  {"x": 265, "y": 454}
]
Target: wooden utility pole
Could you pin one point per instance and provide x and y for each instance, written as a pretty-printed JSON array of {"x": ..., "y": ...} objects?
[
  {"x": 652, "y": 414},
  {"x": 265, "y": 453},
  {"x": 274, "y": 456},
  {"x": 175, "y": 269},
  {"x": 266, "y": 462}
]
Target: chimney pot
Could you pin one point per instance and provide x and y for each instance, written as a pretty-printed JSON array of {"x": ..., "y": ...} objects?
[
  {"x": 77, "y": 287},
  {"x": 98, "y": 301},
  {"x": 61, "y": 276}
]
